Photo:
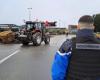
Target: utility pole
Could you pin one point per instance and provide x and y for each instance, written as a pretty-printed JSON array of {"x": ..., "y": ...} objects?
[
  {"x": 29, "y": 9},
  {"x": 59, "y": 23}
]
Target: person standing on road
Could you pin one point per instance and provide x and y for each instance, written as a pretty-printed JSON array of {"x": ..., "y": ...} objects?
[{"x": 79, "y": 57}]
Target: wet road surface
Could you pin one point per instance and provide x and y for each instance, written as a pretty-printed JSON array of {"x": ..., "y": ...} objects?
[{"x": 18, "y": 62}]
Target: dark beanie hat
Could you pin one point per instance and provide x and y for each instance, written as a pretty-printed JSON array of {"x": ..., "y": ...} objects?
[{"x": 86, "y": 19}]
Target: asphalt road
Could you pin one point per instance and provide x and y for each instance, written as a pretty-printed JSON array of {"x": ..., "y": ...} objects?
[{"x": 18, "y": 62}]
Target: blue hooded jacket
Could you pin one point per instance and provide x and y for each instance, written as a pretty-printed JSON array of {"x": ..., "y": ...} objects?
[{"x": 61, "y": 61}]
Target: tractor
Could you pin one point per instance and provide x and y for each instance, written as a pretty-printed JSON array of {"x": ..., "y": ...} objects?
[{"x": 34, "y": 32}]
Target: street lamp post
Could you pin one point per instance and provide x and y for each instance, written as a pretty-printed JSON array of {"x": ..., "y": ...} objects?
[
  {"x": 29, "y": 9},
  {"x": 59, "y": 23}
]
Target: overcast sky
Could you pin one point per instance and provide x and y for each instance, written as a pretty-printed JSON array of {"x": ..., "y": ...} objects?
[{"x": 64, "y": 11}]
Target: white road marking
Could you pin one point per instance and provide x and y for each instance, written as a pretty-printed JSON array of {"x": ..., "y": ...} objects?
[{"x": 6, "y": 58}]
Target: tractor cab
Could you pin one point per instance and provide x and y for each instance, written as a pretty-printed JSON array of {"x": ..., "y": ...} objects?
[{"x": 35, "y": 26}]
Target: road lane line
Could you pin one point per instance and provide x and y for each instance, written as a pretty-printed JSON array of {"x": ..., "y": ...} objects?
[{"x": 6, "y": 58}]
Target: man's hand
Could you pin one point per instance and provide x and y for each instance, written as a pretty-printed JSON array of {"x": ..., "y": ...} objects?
[{"x": 66, "y": 46}]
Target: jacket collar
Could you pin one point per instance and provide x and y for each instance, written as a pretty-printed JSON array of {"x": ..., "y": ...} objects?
[{"x": 85, "y": 33}]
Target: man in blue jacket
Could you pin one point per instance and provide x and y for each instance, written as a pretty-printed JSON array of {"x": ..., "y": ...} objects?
[{"x": 79, "y": 58}]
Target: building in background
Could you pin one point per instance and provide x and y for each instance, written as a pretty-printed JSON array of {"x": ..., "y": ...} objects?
[
  {"x": 13, "y": 27},
  {"x": 72, "y": 29}
]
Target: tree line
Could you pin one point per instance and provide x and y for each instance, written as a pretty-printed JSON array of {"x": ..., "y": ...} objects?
[{"x": 97, "y": 22}]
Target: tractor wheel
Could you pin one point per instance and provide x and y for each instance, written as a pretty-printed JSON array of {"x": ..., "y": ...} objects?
[
  {"x": 25, "y": 43},
  {"x": 47, "y": 40},
  {"x": 37, "y": 39}
]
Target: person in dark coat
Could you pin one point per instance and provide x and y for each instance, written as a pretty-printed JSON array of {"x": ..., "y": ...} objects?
[{"x": 79, "y": 58}]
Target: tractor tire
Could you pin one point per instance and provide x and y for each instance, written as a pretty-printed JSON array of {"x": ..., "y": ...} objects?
[
  {"x": 25, "y": 43},
  {"x": 47, "y": 40},
  {"x": 37, "y": 39}
]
